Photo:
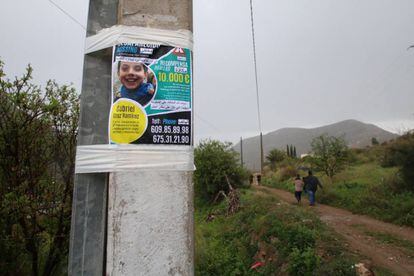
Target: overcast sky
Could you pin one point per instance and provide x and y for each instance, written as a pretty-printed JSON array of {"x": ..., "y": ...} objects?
[{"x": 319, "y": 61}]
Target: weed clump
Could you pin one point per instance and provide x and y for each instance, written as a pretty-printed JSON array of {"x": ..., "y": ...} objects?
[{"x": 303, "y": 262}]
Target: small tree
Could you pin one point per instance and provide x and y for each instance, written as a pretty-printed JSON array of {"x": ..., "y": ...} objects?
[
  {"x": 38, "y": 132},
  {"x": 217, "y": 165},
  {"x": 294, "y": 152},
  {"x": 274, "y": 156},
  {"x": 330, "y": 154},
  {"x": 374, "y": 141}
]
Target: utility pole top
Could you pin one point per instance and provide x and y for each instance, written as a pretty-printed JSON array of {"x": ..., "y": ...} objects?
[{"x": 160, "y": 14}]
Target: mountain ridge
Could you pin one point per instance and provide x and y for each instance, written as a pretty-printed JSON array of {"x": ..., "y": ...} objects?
[{"x": 356, "y": 133}]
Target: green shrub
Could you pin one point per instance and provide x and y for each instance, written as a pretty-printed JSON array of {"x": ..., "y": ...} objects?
[
  {"x": 275, "y": 156},
  {"x": 356, "y": 156},
  {"x": 215, "y": 161},
  {"x": 38, "y": 130},
  {"x": 220, "y": 259},
  {"x": 286, "y": 173},
  {"x": 401, "y": 153},
  {"x": 387, "y": 159},
  {"x": 304, "y": 262}
]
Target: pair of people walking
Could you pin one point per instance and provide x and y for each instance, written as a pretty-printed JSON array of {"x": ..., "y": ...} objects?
[{"x": 309, "y": 184}]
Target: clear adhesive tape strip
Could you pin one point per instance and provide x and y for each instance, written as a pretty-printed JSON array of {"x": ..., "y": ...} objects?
[
  {"x": 117, "y": 34},
  {"x": 126, "y": 157}
]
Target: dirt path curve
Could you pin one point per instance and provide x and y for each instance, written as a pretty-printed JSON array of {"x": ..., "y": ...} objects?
[{"x": 357, "y": 231}]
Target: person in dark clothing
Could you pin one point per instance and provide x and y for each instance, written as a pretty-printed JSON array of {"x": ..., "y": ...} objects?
[{"x": 311, "y": 186}]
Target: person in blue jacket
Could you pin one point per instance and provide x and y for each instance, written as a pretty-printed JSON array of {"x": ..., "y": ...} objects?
[{"x": 133, "y": 77}]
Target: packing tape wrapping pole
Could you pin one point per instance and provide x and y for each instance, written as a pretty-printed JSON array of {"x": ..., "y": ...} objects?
[
  {"x": 124, "y": 157},
  {"x": 112, "y": 158},
  {"x": 131, "y": 34}
]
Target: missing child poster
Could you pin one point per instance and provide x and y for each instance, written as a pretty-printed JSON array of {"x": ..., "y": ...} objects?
[{"x": 151, "y": 95}]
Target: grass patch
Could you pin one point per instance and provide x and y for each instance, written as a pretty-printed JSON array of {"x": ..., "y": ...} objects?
[
  {"x": 365, "y": 174},
  {"x": 273, "y": 182},
  {"x": 365, "y": 188},
  {"x": 289, "y": 239},
  {"x": 386, "y": 238}
]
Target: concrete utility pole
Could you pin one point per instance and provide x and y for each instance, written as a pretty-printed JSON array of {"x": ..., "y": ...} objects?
[
  {"x": 142, "y": 222},
  {"x": 241, "y": 151},
  {"x": 88, "y": 227},
  {"x": 261, "y": 154}
]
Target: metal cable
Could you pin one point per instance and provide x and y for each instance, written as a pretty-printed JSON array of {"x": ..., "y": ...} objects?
[
  {"x": 208, "y": 123},
  {"x": 67, "y": 14},
  {"x": 255, "y": 69}
]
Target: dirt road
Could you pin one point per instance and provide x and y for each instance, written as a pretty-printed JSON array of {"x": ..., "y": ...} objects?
[{"x": 387, "y": 245}]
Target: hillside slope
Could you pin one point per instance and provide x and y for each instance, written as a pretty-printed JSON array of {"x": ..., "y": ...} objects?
[{"x": 385, "y": 244}]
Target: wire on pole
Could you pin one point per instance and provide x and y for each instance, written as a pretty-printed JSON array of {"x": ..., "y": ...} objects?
[
  {"x": 67, "y": 14},
  {"x": 257, "y": 89},
  {"x": 255, "y": 68}
]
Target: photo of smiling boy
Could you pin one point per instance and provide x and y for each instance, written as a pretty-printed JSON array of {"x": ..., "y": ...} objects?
[{"x": 133, "y": 77}]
